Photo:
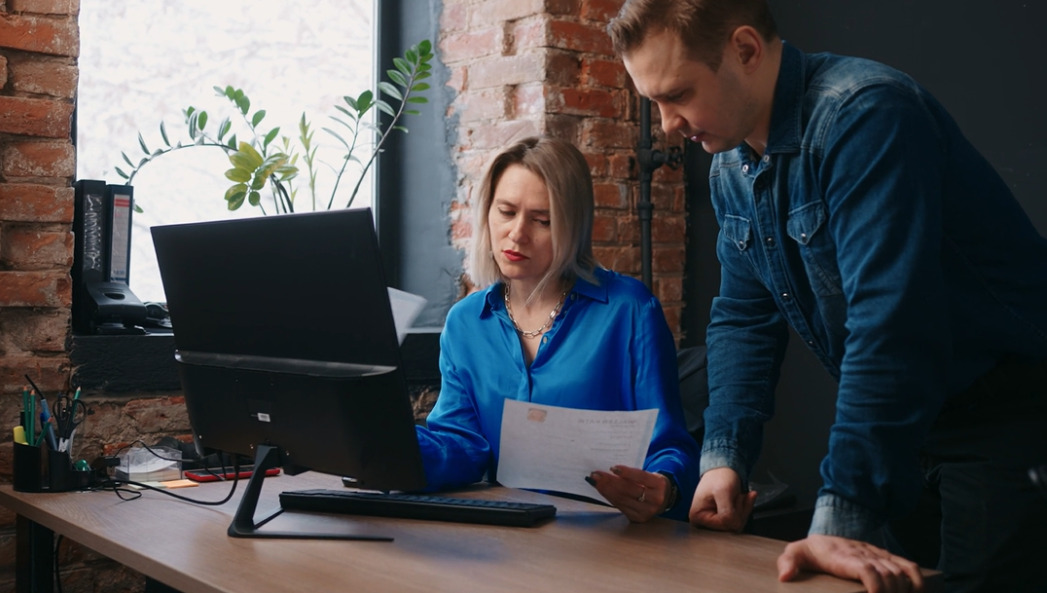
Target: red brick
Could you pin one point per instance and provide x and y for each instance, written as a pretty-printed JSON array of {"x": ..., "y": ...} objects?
[
  {"x": 36, "y": 117},
  {"x": 668, "y": 228},
  {"x": 597, "y": 164},
  {"x": 610, "y": 195},
  {"x": 563, "y": 126},
  {"x": 35, "y": 289},
  {"x": 38, "y": 159},
  {"x": 36, "y": 332},
  {"x": 668, "y": 259},
  {"x": 562, "y": 7},
  {"x": 673, "y": 313},
  {"x": 669, "y": 288},
  {"x": 3, "y": 71},
  {"x": 609, "y": 133},
  {"x": 601, "y": 11},
  {"x": 25, "y": 248},
  {"x": 602, "y": 72},
  {"x": 579, "y": 37},
  {"x": 605, "y": 229},
  {"x": 563, "y": 68},
  {"x": 32, "y": 202},
  {"x": 588, "y": 102},
  {"x": 55, "y": 77},
  {"x": 58, "y": 37},
  {"x": 56, "y": 7},
  {"x": 50, "y": 373},
  {"x": 624, "y": 259},
  {"x": 622, "y": 166}
]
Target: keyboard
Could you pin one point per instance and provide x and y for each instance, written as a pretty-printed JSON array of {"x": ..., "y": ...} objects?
[{"x": 418, "y": 506}]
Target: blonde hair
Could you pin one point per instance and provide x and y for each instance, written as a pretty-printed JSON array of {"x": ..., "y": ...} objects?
[{"x": 565, "y": 172}]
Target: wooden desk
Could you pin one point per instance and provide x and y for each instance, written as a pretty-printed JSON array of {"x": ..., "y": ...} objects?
[{"x": 586, "y": 548}]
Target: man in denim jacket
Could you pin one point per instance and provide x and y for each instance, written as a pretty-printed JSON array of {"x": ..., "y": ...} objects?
[{"x": 852, "y": 208}]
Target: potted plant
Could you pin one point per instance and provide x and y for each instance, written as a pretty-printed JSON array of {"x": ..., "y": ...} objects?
[{"x": 261, "y": 158}]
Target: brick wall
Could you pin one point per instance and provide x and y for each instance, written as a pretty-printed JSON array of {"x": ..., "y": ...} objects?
[
  {"x": 39, "y": 44},
  {"x": 521, "y": 67}
]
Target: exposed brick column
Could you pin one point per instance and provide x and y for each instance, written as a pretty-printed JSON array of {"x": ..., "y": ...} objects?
[
  {"x": 521, "y": 67},
  {"x": 39, "y": 44}
]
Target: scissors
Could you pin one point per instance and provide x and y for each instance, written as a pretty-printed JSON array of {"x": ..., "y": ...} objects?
[{"x": 68, "y": 413}]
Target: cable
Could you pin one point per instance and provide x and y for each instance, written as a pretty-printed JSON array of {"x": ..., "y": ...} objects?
[{"x": 129, "y": 494}]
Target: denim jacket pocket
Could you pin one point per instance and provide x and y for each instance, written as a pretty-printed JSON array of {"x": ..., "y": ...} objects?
[
  {"x": 737, "y": 231},
  {"x": 805, "y": 226}
]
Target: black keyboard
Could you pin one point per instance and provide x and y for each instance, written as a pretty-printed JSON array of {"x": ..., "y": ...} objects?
[{"x": 418, "y": 506}]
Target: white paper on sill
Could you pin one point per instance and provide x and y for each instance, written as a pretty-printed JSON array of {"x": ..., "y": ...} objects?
[
  {"x": 553, "y": 448},
  {"x": 406, "y": 308}
]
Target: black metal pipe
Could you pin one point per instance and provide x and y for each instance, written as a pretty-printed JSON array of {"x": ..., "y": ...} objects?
[{"x": 649, "y": 160}]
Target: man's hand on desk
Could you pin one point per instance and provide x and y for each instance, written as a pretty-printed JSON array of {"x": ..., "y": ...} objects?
[
  {"x": 639, "y": 494},
  {"x": 877, "y": 569},
  {"x": 719, "y": 502}
]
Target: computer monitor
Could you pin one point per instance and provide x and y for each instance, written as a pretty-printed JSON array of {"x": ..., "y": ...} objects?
[{"x": 287, "y": 349}]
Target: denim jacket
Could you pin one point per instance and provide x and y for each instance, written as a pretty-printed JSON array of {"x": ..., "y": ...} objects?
[{"x": 875, "y": 230}]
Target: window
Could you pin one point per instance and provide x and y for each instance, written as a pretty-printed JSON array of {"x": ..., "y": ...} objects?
[{"x": 143, "y": 61}]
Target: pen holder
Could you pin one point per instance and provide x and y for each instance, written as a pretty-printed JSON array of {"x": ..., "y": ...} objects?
[
  {"x": 62, "y": 476},
  {"x": 28, "y": 468}
]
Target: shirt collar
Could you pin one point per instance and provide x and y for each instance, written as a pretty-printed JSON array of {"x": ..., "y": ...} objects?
[
  {"x": 787, "y": 110},
  {"x": 494, "y": 301}
]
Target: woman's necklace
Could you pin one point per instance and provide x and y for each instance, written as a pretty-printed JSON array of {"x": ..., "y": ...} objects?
[{"x": 545, "y": 326}]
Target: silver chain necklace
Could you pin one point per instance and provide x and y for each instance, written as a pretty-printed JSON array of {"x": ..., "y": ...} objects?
[{"x": 545, "y": 326}]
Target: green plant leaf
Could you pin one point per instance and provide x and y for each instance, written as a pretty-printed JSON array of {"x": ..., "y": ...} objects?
[
  {"x": 385, "y": 108},
  {"x": 127, "y": 159},
  {"x": 396, "y": 77},
  {"x": 235, "y": 196},
  {"x": 120, "y": 172},
  {"x": 201, "y": 120},
  {"x": 270, "y": 136},
  {"x": 419, "y": 87},
  {"x": 141, "y": 142},
  {"x": 254, "y": 198},
  {"x": 411, "y": 112},
  {"x": 223, "y": 128},
  {"x": 403, "y": 65},
  {"x": 163, "y": 134},
  {"x": 238, "y": 174},
  {"x": 390, "y": 90},
  {"x": 258, "y": 117},
  {"x": 417, "y": 100}
]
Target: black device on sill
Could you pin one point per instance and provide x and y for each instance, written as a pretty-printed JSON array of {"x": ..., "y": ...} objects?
[{"x": 102, "y": 300}]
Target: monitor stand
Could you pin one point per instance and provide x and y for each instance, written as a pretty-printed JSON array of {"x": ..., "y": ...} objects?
[{"x": 244, "y": 524}]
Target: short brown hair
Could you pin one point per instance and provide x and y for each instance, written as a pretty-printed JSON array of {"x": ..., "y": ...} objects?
[
  {"x": 565, "y": 172},
  {"x": 704, "y": 26}
]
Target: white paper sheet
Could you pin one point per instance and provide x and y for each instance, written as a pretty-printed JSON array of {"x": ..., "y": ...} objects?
[
  {"x": 554, "y": 448},
  {"x": 406, "y": 307}
]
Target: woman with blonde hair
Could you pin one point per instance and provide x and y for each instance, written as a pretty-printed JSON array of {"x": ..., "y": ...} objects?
[{"x": 548, "y": 325}]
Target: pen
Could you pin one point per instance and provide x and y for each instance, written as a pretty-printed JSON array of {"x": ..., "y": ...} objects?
[
  {"x": 30, "y": 421},
  {"x": 47, "y": 429}
]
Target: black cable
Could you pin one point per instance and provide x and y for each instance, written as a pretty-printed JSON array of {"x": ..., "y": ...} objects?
[{"x": 123, "y": 493}]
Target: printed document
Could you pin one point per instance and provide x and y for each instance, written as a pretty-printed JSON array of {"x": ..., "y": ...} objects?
[{"x": 553, "y": 448}]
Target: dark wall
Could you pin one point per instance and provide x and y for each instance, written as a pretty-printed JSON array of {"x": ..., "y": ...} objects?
[
  {"x": 984, "y": 61},
  {"x": 415, "y": 176}
]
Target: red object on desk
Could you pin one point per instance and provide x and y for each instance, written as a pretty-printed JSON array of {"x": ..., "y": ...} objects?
[{"x": 217, "y": 474}]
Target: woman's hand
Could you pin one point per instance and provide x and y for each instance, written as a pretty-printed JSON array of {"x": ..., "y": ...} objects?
[{"x": 639, "y": 494}]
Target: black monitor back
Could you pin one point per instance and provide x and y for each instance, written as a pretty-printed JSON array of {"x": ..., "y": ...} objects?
[{"x": 285, "y": 337}]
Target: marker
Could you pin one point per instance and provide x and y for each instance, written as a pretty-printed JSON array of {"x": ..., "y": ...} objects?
[{"x": 19, "y": 435}]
